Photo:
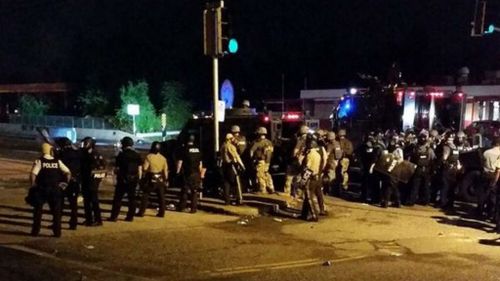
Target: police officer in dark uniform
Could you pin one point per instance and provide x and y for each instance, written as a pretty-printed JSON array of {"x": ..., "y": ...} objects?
[
  {"x": 93, "y": 172},
  {"x": 155, "y": 168},
  {"x": 71, "y": 157},
  {"x": 46, "y": 177},
  {"x": 128, "y": 173},
  {"x": 450, "y": 165},
  {"x": 190, "y": 167},
  {"x": 422, "y": 156},
  {"x": 369, "y": 154}
]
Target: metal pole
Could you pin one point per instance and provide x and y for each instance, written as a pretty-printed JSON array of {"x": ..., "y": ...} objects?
[
  {"x": 133, "y": 125},
  {"x": 215, "y": 65},
  {"x": 462, "y": 111}
]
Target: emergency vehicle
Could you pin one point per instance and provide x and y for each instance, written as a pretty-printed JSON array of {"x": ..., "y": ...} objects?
[{"x": 281, "y": 127}]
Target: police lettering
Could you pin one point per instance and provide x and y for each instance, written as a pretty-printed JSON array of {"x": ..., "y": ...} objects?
[
  {"x": 50, "y": 165},
  {"x": 194, "y": 150}
]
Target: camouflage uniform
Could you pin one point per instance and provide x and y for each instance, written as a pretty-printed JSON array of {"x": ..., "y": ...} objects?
[{"x": 261, "y": 153}]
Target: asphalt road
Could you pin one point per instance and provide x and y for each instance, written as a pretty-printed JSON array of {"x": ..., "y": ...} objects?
[{"x": 356, "y": 242}]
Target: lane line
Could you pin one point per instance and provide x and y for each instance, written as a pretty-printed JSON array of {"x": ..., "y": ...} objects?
[
  {"x": 276, "y": 266},
  {"x": 35, "y": 252}
]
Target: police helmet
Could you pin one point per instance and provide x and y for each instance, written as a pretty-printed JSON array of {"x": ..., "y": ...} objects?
[
  {"x": 330, "y": 136},
  {"x": 342, "y": 133},
  {"x": 229, "y": 136},
  {"x": 450, "y": 136},
  {"x": 155, "y": 147},
  {"x": 191, "y": 138},
  {"x": 127, "y": 142},
  {"x": 424, "y": 132},
  {"x": 47, "y": 149},
  {"x": 311, "y": 141},
  {"x": 423, "y": 135},
  {"x": 246, "y": 103},
  {"x": 434, "y": 133},
  {"x": 64, "y": 142},
  {"x": 235, "y": 129},
  {"x": 88, "y": 143},
  {"x": 303, "y": 130},
  {"x": 461, "y": 135},
  {"x": 320, "y": 133},
  {"x": 262, "y": 131}
]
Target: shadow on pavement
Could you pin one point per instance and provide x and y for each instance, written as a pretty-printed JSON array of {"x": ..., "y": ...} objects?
[
  {"x": 490, "y": 242},
  {"x": 465, "y": 214}
]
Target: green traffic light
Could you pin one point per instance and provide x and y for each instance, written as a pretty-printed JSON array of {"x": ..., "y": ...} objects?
[
  {"x": 233, "y": 46},
  {"x": 491, "y": 28}
]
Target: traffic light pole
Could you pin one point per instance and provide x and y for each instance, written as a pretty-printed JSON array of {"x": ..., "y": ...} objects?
[{"x": 215, "y": 66}]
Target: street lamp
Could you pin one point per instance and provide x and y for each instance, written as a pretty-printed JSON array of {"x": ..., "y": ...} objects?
[{"x": 133, "y": 109}]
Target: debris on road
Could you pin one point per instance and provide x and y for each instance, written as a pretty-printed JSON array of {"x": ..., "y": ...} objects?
[
  {"x": 89, "y": 247},
  {"x": 327, "y": 263},
  {"x": 242, "y": 222},
  {"x": 171, "y": 207},
  {"x": 277, "y": 220}
]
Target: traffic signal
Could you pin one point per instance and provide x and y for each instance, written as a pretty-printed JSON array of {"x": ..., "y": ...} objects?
[
  {"x": 479, "y": 15},
  {"x": 217, "y": 40}
]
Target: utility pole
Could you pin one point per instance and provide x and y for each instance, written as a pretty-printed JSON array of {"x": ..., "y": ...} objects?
[{"x": 212, "y": 47}]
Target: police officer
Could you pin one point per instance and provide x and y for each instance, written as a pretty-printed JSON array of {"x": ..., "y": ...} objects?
[
  {"x": 490, "y": 158},
  {"x": 450, "y": 165},
  {"x": 369, "y": 154},
  {"x": 155, "y": 169},
  {"x": 462, "y": 143},
  {"x": 261, "y": 153},
  {"x": 422, "y": 156},
  {"x": 434, "y": 139},
  {"x": 190, "y": 167},
  {"x": 232, "y": 166},
  {"x": 46, "y": 177},
  {"x": 390, "y": 184},
  {"x": 71, "y": 157},
  {"x": 239, "y": 139},
  {"x": 128, "y": 172},
  {"x": 93, "y": 172},
  {"x": 311, "y": 172},
  {"x": 293, "y": 167},
  {"x": 347, "y": 150},
  {"x": 494, "y": 186},
  {"x": 334, "y": 152}
]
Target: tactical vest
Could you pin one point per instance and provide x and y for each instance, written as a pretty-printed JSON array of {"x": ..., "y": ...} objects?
[
  {"x": 192, "y": 160},
  {"x": 50, "y": 173},
  {"x": 421, "y": 157},
  {"x": 453, "y": 157},
  {"x": 263, "y": 151}
]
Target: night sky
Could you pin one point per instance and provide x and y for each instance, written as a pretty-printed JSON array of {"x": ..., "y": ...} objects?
[{"x": 319, "y": 43}]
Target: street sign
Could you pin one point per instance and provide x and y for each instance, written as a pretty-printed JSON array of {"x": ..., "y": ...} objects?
[
  {"x": 133, "y": 109},
  {"x": 221, "y": 108},
  {"x": 163, "y": 120}
]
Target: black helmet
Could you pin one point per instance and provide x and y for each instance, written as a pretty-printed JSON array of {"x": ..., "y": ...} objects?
[
  {"x": 88, "y": 143},
  {"x": 191, "y": 139},
  {"x": 155, "y": 147},
  {"x": 64, "y": 142},
  {"x": 311, "y": 141},
  {"x": 127, "y": 142}
]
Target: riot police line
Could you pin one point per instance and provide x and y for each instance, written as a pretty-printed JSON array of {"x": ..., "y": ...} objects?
[
  {"x": 64, "y": 171},
  {"x": 394, "y": 169},
  {"x": 391, "y": 168}
]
